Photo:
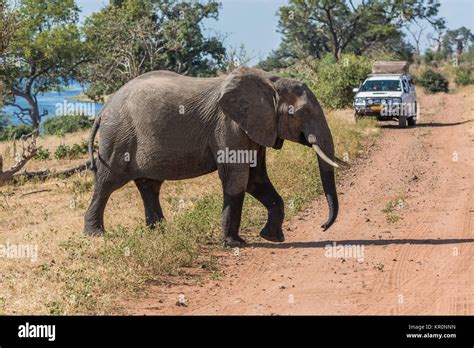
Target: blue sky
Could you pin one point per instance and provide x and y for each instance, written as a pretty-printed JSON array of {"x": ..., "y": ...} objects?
[{"x": 254, "y": 22}]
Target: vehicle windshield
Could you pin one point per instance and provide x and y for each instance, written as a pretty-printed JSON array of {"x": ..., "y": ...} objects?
[{"x": 381, "y": 85}]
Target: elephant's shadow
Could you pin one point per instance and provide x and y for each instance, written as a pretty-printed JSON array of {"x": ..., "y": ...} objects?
[
  {"x": 375, "y": 242},
  {"x": 428, "y": 124}
]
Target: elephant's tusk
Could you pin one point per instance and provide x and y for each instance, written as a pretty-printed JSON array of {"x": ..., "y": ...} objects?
[{"x": 324, "y": 157}]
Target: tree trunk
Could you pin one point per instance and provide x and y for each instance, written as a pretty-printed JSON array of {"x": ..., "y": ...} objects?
[
  {"x": 337, "y": 52},
  {"x": 459, "y": 48},
  {"x": 34, "y": 115}
]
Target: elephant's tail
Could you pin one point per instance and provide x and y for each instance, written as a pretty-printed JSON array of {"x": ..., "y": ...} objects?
[{"x": 95, "y": 128}]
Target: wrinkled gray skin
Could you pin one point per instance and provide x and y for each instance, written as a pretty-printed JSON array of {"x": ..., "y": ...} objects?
[{"x": 164, "y": 126}]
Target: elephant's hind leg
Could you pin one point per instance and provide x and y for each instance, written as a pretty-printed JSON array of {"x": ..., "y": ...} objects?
[
  {"x": 150, "y": 192},
  {"x": 104, "y": 185}
]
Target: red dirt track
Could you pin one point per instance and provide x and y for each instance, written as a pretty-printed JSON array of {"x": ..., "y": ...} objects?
[{"x": 421, "y": 264}]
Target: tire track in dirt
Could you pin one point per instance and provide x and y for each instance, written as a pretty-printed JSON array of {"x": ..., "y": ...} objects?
[
  {"x": 421, "y": 264},
  {"x": 425, "y": 289}
]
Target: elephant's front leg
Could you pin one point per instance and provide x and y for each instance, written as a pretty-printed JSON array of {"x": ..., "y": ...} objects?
[
  {"x": 234, "y": 181},
  {"x": 231, "y": 215},
  {"x": 260, "y": 187}
]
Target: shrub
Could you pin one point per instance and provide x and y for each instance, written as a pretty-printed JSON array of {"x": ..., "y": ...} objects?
[
  {"x": 4, "y": 121},
  {"x": 463, "y": 76},
  {"x": 85, "y": 146},
  {"x": 67, "y": 124},
  {"x": 41, "y": 154},
  {"x": 79, "y": 149},
  {"x": 336, "y": 80},
  {"x": 15, "y": 132},
  {"x": 433, "y": 81},
  {"x": 74, "y": 151},
  {"x": 62, "y": 151},
  {"x": 305, "y": 71},
  {"x": 332, "y": 82}
]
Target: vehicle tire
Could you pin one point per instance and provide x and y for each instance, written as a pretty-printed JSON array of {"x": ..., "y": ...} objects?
[
  {"x": 412, "y": 121},
  {"x": 402, "y": 121}
]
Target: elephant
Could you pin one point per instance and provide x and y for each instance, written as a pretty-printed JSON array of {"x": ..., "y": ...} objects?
[{"x": 165, "y": 126}]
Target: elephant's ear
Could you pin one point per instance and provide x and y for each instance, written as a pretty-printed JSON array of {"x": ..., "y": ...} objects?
[{"x": 249, "y": 100}]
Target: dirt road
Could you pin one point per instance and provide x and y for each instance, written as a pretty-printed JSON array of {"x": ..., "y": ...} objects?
[{"x": 408, "y": 212}]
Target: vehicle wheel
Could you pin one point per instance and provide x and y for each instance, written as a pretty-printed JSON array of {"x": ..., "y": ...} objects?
[
  {"x": 412, "y": 121},
  {"x": 402, "y": 121}
]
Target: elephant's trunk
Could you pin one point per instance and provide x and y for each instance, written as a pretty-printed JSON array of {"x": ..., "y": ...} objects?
[
  {"x": 329, "y": 187},
  {"x": 326, "y": 170}
]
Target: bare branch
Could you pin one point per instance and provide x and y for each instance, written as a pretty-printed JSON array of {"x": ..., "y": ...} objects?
[
  {"x": 27, "y": 153},
  {"x": 48, "y": 174},
  {"x": 23, "y": 110}
]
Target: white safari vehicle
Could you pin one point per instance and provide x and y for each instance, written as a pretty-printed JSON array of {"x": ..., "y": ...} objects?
[{"x": 388, "y": 94}]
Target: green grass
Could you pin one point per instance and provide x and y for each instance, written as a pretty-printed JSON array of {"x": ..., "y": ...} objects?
[
  {"x": 392, "y": 218},
  {"x": 395, "y": 204},
  {"x": 379, "y": 267}
]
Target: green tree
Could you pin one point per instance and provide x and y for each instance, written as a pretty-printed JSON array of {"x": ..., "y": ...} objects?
[
  {"x": 332, "y": 82},
  {"x": 316, "y": 27},
  {"x": 116, "y": 2},
  {"x": 458, "y": 39},
  {"x": 236, "y": 57},
  {"x": 284, "y": 56},
  {"x": 8, "y": 25},
  {"x": 44, "y": 54},
  {"x": 437, "y": 37},
  {"x": 429, "y": 56},
  {"x": 128, "y": 39},
  {"x": 335, "y": 80}
]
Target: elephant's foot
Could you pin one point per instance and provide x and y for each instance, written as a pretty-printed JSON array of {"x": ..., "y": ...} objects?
[
  {"x": 93, "y": 230},
  {"x": 234, "y": 242},
  {"x": 272, "y": 235},
  {"x": 153, "y": 224}
]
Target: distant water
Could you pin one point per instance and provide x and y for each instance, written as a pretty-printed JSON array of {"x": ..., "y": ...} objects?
[{"x": 50, "y": 101}]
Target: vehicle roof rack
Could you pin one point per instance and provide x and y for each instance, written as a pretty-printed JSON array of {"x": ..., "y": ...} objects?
[
  {"x": 387, "y": 74},
  {"x": 390, "y": 67}
]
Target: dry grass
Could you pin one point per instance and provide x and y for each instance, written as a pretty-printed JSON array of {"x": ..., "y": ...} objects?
[
  {"x": 467, "y": 95},
  {"x": 75, "y": 274}
]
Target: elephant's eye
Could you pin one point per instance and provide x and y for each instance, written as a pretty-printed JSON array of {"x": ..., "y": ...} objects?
[{"x": 302, "y": 112}]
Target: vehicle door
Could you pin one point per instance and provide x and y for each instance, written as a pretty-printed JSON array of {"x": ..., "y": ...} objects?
[{"x": 408, "y": 96}]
